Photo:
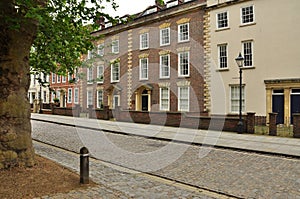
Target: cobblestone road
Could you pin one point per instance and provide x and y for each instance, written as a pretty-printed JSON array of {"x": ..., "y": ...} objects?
[{"x": 245, "y": 175}]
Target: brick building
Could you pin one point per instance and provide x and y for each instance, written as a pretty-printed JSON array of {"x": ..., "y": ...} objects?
[
  {"x": 64, "y": 88},
  {"x": 153, "y": 63}
]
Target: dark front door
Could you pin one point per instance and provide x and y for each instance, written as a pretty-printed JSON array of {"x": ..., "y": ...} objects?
[
  {"x": 144, "y": 102},
  {"x": 295, "y": 102},
  {"x": 278, "y": 107}
]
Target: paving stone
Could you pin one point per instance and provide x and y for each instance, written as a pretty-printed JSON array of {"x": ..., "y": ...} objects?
[{"x": 246, "y": 175}]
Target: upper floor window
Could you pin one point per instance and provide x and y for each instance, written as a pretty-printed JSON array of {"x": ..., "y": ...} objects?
[
  {"x": 144, "y": 41},
  {"x": 247, "y": 15},
  {"x": 222, "y": 20},
  {"x": 53, "y": 78},
  {"x": 223, "y": 56},
  {"x": 90, "y": 75},
  {"x": 183, "y": 64},
  {"x": 115, "y": 72},
  {"x": 248, "y": 53},
  {"x": 165, "y": 36},
  {"x": 165, "y": 66},
  {"x": 58, "y": 78},
  {"x": 70, "y": 95},
  {"x": 144, "y": 69},
  {"x": 101, "y": 49},
  {"x": 64, "y": 79},
  {"x": 183, "y": 32},
  {"x": 115, "y": 46},
  {"x": 100, "y": 74}
]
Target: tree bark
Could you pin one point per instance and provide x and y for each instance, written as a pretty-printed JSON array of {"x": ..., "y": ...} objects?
[{"x": 16, "y": 147}]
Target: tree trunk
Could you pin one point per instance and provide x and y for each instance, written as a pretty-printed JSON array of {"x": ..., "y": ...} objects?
[{"x": 16, "y": 147}]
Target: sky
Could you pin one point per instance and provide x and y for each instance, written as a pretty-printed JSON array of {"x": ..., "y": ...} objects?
[{"x": 129, "y": 7}]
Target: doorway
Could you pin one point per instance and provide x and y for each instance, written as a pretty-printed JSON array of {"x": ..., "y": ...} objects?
[
  {"x": 278, "y": 105},
  {"x": 145, "y": 100},
  {"x": 295, "y": 102}
]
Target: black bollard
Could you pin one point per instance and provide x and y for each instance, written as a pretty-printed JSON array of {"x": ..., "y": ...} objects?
[{"x": 84, "y": 165}]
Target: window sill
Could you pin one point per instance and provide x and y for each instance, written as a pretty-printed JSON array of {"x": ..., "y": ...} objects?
[
  {"x": 222, "y": 69},
  {"x": 163, "y": 78},
  {"x": 143, "y": 80},
  {"x": 248, "y": 67},
  {"x": 144, "y": 48},
  {"x": 248, "y": 24},
  {"x": 162, "y": 45},
  {"x": 184, "y": 41},
  {"x": 114, "y": 82},
  {"x": 183, "y": 76},
  {"x": 222, "y": 29}
]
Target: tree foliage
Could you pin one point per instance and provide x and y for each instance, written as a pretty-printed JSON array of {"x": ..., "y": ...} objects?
[{"x": 62, "y": 35}]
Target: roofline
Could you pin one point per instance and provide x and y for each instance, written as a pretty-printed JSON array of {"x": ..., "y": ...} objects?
[{"x": 138, "y": 22}]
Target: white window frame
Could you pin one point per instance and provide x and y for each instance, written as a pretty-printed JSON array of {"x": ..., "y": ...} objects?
[
  {"x": 100, "y": 49},
  {"x": 246, "y": 55},
  {"x": 144, "y": 76},
  {"x": 70, "y": 95},
  {"x": 242, "y": 16},
  {"x": 221, "y": 63},
  {"x": 58, "y": 79},
  {"x": 236, "y": 98},
  {"x": 162, "y": 39},
  {"x": 115, "y": 46},
  {"x": 181, "y": 34},
  {"x": 161, "y": 66},
  {"x": 89, "y": 97},
  {"x": 112, "y": 80},
  {"x": 53, "y": 78},
  {"x": 180, "y": 64},
  {"x": 218, "y": 20},
  {"x": 70, "y": 76},
  {"x": 100, "y": 74},
  {"x": 114, "y": 101},
  {"x": 161, "y": 108},
  {"x": 64, "y": 79},
  {"x": 99, "y": 98},
  {"x": 144, "y": 41},
  {"x": 76, "y": 95},
  {"x": 89, "y": 75},
  {"x": 180, "y": 99}
]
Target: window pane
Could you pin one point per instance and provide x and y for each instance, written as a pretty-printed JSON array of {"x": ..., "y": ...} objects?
[
  {"x": 223, "y": 56},
  {"x": 247, "y": 15},
  {"x": 222, "y": 20},
  {"x": 248, "y": 61}
]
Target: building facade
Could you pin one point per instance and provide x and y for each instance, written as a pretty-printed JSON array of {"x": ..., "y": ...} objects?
[
  {"x": 38, "y": 89},
  {"x": 65, "y": 89},
  {"x": 153, "y": 63},
  {"x": 267, "y": 37}
]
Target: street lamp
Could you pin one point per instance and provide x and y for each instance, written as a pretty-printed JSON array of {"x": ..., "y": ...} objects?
[{"x": 240, "y": 61}]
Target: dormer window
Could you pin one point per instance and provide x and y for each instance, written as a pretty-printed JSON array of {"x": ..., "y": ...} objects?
[
  {"x": 150, "y": 10},
  {"x": 108, "y": 24},
  {"x": 172, "y": 3}
]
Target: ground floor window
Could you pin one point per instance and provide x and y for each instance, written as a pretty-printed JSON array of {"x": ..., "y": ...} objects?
[
  {"x": 76, "y": 95},
  {"x": 99, "y": 98},
  {"x": 164, "y": 99},
  {"x": 235, "y": 99},
  {"x": 183, "y": 98},
  {"x": 89, "y": 98},
  {"x": 116, "y": 101},
  {"x": 70, "y": 95}
]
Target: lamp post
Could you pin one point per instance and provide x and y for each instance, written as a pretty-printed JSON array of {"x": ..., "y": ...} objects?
[{"x": 240, "y": 60}]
